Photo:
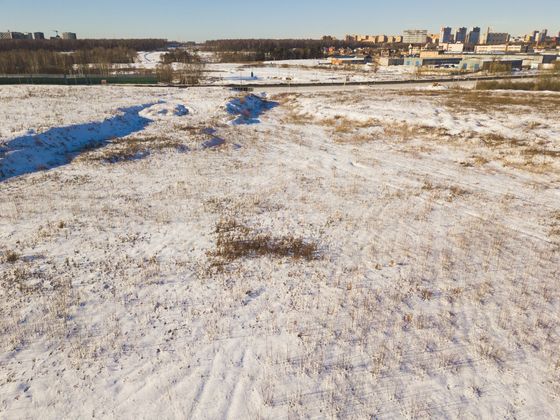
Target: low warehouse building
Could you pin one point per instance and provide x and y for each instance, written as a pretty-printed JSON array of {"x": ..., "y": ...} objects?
[{"x": 440, "y": 61}]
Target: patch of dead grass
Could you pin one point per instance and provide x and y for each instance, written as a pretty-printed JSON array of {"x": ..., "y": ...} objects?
[
  {"x": 131, "y": 149},
  {"x": 236, "y": 241},
  {"x": 449, "y": 193}
]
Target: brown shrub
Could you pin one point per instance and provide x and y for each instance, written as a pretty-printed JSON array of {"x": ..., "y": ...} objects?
[
  {"x": 132, "y": 148},
  {"x": 237, "y": 241},
  {"x": 11, "y": 257}
]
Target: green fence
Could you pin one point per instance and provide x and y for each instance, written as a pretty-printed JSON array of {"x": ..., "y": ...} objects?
[{"x": 77, "y": 80}]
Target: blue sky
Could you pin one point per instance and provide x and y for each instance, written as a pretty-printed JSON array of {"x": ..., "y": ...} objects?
[{"x": 212, "y": 19}]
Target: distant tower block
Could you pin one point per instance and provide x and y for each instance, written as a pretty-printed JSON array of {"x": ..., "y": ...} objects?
[{"x": 69, "y": 35}]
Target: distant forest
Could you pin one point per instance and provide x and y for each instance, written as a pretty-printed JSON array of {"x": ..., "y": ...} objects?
[
  {"x": 180, "y": 56},
  {"x": 68, "y": 45},
  {"x": 54, "y": 62},
  {"x": 62, "y": 56},
  {"x": 274, "y": 49}
]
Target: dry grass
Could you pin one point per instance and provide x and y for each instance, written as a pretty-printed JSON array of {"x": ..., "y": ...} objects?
[
  {"x": 296, "y": 118},
  {"x": 132, "y": 148},
  {"x": 483, "y": 101},
  {"x": 459, "y": 101},
  {"x": 498, "y": 140},
  {"x": 545, "y": 83},
  {"x": 528, "y": 151},
  {"x": 554, "y": 223},
  {"x": 449, "y": 193},
  {"x": 538, "y": 151},
  {"x": 236, "y": 241},
  {"x": 11, "y": 257}
]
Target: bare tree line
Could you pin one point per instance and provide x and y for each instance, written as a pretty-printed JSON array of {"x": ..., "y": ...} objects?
[
  {"x": 97, "y": 60},
  {"x": 180, "y": 66},
  {"x": 69, "y": 45},
  {"x": 246, "y": 50}
]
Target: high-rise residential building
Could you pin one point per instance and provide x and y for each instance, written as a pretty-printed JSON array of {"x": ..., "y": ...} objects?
[
  {"x": 381, "y": 39},
  {"x": 13, "y": 35},
  {"x": 445, "y": 35},
  {"x": 494, "y": 38},
  {"x": 473, "y": 37},
  {"x": 69, "y": 35},
  {"x": 415, "y": 36},
  {"x": 461, "y": 35},
  {"x": 540, "y": 36}
]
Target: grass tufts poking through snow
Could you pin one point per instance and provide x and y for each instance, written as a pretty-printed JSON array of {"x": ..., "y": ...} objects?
[
  {"x": 236, "y": 241},
  {"x": 133, "y": 148},
  {"x": 361, "y": 254},
  {"x": 11, "y": 256}
]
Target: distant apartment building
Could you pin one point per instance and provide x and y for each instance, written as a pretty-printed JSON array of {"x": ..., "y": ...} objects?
[
  {"x": 38, "y": 35},
  {"x": 69, "y": 35},
  {"x": 394, "y": 39},
  {"x": 415, "y": 36},
  {"x": 358, "y": 38},
  {"x": 473, "y": 37},
  {"x": 494, "y": 38},
  {"x": 14, "y": 35},
  {"x": 501, "y": 49},
  {"x": 540, "y": 36},
  {"x": 461, "y": 35},
  {"x": 445, "y": 35},
  {"x": 374, "y": 39},
  {"x": 458, "y": 47}
]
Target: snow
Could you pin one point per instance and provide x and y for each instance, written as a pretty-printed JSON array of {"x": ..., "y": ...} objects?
[
  {"x": 164, "y": 110},
  {"x": 149, "y": 60},
  {"x": 281, "y": 72},
  {"x": 434, "y": 292},
  {"x": 248, "y": 109},
  {"x": 297, "y": 71},
  {"x": 57, "y": 145}
]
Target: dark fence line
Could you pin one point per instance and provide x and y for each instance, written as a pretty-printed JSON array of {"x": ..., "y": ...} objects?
[
  {"x": 151, "y": 80},
  {"x": 55, "y": 79}
]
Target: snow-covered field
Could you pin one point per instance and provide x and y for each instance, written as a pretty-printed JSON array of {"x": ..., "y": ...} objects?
[
  {"x": 281, "y": 73},
  {"x": 288, "y": 71},
  {"x": 360, "y": 254},
  {"x": 299, "y": 71}
]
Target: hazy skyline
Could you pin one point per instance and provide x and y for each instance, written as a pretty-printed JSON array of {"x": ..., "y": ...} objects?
[{"x": 190, "y": 20}]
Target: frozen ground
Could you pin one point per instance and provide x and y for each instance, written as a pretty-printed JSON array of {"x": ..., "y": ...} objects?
[
  {"x": 289, "y": 72},
  {"x": 356, "y": 254},
  {"x": 292, "y": 71},
  {"x": 297, "y": 71}
]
